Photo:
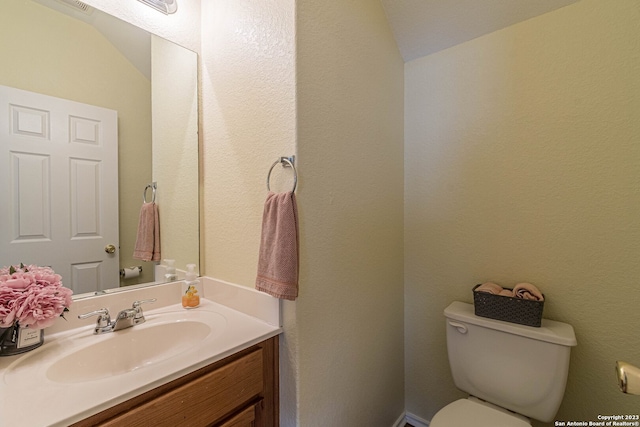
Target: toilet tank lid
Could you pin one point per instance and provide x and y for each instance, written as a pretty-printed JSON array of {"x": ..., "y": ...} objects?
[{"x": 550, "y": 331}]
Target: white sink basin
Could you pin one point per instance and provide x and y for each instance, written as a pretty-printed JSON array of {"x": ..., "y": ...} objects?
[
  {"x": 93, "y": 357},
  {"x": 128, "y": 350}
]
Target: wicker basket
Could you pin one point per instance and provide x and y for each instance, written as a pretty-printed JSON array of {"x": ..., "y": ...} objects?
[{"x": 509, "y": 309}]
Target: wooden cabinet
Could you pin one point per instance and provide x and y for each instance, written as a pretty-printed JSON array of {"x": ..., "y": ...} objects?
[{"x": 238, "y": 391}]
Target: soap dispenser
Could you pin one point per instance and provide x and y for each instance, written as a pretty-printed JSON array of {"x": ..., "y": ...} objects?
[
  {"x": 191, "y": 288},
  {"x": 170, "y": 270}
]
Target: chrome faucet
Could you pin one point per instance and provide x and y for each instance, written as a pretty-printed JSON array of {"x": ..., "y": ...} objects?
[{"x": 126, "y": 318}]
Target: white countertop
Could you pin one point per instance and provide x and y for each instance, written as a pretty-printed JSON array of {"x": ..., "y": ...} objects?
[{"x": 28, "y": 398}]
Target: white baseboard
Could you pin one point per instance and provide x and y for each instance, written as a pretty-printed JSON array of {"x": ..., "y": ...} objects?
[
  {"x": 416, "y": 421},
  {"x": 400, "y": 421}
]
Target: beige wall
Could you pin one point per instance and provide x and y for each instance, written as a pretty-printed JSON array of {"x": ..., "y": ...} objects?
[
  {"x": 248, "y": 110},
  {"x": 342, "y": 347},
  {"x": 522, "y": 163},
  {"x": 97, "y": 76},
  {"x": 349, "y": 317},
  {"x": 249, "y": 121}
]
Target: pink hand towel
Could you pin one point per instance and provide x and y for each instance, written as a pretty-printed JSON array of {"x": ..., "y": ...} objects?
[
  {"x": 506, "y": 293},
  {"x": 490, "y": 288},
  {"x": 147, "y": 246},
  {"x": 527, "y": 291},
  {"x": 278, "y": 257}
]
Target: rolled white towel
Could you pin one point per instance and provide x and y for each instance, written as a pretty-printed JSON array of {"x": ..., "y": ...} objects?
[
  {"x": 527, "y": 291},
  {"x": 490, "y": 288}
]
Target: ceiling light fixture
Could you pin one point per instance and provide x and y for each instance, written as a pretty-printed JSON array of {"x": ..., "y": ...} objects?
[{"x": 164, "y": 6}]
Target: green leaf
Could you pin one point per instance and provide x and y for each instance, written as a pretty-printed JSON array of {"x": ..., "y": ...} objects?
[{"x": 12, "y": 270}]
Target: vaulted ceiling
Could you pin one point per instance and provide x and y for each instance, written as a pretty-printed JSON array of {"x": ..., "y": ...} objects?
[{"x": 422, "y": 27}]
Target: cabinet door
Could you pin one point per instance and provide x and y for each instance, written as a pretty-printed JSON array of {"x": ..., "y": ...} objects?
[
  {"x": 246, "y": 418},
  {"x": 202, "y": 401}
]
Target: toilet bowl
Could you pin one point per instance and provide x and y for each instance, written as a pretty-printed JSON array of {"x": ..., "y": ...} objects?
[
  {"x": 492, "y": 360},
  {"x": 474, "y": 412}
]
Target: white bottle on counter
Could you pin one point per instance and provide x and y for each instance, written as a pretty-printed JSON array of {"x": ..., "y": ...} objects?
[{"x": 170, "y": 270}]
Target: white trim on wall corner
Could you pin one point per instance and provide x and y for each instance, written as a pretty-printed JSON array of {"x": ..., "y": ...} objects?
[
  {"x": 416, "y": 421},
  {"x": 400, "y": 421},
  {"x": 411, "y": 419}
]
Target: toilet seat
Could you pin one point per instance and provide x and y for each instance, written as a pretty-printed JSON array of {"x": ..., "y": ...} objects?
[{"x": 468, "y": 412}]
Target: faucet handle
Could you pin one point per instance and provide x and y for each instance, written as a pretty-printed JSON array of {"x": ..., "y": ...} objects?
[
  {"x": 103, "y": 317},
  {"x": 136, "y": 306}
]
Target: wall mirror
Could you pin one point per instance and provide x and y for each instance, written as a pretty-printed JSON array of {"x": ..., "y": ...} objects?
[{"x": 65, "y": 64}]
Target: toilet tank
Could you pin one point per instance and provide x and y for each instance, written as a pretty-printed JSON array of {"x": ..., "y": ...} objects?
[{"x": 520, "y": 368}]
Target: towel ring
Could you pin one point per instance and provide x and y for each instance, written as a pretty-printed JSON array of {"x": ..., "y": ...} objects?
[
  {"x": 285, "y": 162},
  {"x": 152, "y": 186}
]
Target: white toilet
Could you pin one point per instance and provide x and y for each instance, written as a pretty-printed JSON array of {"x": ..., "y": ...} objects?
[{"x": 512, "y": 372}]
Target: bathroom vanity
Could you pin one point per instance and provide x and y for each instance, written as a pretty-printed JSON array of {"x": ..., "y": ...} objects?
[
  {"x": 238, "y": 391},
  {"x": 216, "y": 365}
]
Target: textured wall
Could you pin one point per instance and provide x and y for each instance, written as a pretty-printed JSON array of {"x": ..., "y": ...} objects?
[
  {"x": 349, "y": 319},
  {"x": 248, "y": 113},
  {"x": 522, "y": 162}
]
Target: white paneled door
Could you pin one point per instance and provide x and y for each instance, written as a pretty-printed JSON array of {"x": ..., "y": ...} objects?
[{"x": 59, "y": 187}]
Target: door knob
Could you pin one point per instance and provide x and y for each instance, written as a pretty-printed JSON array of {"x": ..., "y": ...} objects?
[
  {"x": 110, "y": 249},
  {"x": 628, "y": 377}
]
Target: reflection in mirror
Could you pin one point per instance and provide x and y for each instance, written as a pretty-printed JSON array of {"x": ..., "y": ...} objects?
[{"x": 83, "y": 58}]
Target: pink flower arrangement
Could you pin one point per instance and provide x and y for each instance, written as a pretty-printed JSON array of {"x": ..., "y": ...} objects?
[{"x": 32, "y": 296}]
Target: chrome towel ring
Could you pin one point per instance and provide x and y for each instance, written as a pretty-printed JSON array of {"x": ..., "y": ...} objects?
[
  {"x": 285, "y": 162},
  {"x": 153, "y": 187}
]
